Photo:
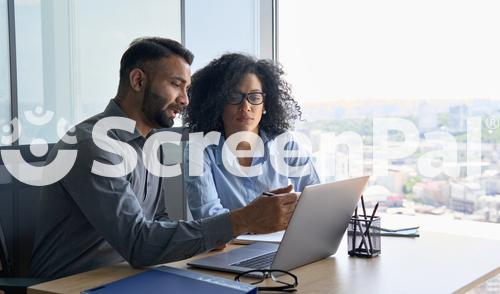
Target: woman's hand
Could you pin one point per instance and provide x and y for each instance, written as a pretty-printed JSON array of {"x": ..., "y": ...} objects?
[{"x": 283, "y": 190}]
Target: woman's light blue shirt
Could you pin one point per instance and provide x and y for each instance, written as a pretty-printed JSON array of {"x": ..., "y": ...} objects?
[{"x": 217, "y": 190}]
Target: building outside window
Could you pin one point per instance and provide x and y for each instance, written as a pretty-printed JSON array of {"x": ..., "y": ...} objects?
[{"x": 425, "y": 73}]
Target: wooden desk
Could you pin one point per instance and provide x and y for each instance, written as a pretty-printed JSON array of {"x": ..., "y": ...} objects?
[{"x": 433, "y": 263}]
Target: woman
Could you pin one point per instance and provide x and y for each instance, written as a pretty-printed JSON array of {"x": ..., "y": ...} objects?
[{"x": 237, "y": 94}]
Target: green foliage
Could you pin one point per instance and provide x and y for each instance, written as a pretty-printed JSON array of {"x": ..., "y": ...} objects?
[
  {"x": 410, "y": 183},
  {"x": 363, "y": 127}
]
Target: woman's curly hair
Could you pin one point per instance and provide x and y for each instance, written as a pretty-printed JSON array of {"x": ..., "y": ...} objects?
[{"x": 212, "y": 84}]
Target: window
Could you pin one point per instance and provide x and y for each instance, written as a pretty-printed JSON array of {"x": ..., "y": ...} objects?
[
  {"x": 432, "y": 67},
  {"x": 221, "y": 26},
  {"x": 215, "y": 27},
  {"x": 68, "y": 56},
  {"x": 68, "y": 53},
  {"x": 5, "y": 116}
]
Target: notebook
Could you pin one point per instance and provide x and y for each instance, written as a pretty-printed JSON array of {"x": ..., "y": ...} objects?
[
  {"x": 252, "y": 238},
  {"x": 172, "y": 280},
  {"x": 400, "y": 233}
]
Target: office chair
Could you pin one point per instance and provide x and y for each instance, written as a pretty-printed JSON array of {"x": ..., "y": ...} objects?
[
  {"x": 177, "y": 203},
  {"x": 9, "y": 284},
  {"x": 18, "y": 204}
]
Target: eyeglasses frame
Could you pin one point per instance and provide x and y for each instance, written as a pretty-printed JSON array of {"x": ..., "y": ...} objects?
[
  {"x": 246, "y": 95},
  {"x": 267, "y": 273}
]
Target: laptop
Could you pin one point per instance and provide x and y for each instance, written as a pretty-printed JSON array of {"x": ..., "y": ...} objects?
[{"x": 314, "y": 232}]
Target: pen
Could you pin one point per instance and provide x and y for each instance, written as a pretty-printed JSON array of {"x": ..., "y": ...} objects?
[
  {"x": 358, "y": 224},
  {"x": 368, "y": 227},
  {"x": 395, "y": 230},
  {"x": 268, "y": 194},
  {"x": 361, "y": 228},
  {"x": 372, "y": 216},
  {"x": 355, "y": 229},
  {"x": 363, "y": 206},
  {"x": 363, "y": 240}
]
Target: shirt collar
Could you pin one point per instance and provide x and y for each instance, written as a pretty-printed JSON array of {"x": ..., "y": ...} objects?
[{"x": 114, "y": 110}]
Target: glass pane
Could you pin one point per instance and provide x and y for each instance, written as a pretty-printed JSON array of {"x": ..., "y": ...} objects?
[
  {"x": 432, "y": 67},
  {"x": 220, "y": 26},
  {"x": 69, "y": 53},
  {"x": 4, "y": 73}
]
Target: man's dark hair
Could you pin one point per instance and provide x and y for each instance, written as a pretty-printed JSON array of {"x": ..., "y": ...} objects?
[
  {"x": 144, "y": 50},
  {"x": 211, "y": 85}
]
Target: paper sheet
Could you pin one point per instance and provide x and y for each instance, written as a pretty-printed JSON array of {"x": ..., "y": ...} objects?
[{"x": 249, "y": 239}]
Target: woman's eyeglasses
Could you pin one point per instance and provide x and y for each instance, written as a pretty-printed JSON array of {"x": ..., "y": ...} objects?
[
  {"x": 254, "y": 98},
  {"x": 283, "y": 280}
]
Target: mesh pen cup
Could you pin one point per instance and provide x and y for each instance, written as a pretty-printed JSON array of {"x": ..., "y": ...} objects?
[{"x": 363, "y": 236}]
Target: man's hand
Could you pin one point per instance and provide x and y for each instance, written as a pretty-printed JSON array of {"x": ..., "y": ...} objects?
[
  {"x": 218, "y": 248},
  {"x": 266, "y": 214}
]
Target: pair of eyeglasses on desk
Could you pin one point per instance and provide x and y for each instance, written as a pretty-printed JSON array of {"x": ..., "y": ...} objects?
[{"x": 285, "y": 281}]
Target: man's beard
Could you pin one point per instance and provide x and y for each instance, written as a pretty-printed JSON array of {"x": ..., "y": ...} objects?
[{"x": 152, "y": 106}]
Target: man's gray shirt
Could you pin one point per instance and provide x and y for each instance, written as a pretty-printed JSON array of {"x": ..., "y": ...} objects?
[{"x": 88, "y": 221}]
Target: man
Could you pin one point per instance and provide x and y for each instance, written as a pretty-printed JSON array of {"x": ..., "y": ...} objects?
[{"x": 88, "y": 220}]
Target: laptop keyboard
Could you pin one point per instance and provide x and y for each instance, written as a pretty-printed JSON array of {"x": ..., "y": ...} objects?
[{"x": 258, "y": 262}]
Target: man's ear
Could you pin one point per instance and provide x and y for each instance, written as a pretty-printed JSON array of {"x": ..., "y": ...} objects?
[{"x": 137, "y": 79}]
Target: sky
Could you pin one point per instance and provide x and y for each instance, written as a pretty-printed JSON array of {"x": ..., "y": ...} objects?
[{"x": 391, "y": 49}]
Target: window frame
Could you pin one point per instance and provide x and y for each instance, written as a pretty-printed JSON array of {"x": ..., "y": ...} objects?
[
  {"x": 14, "y": 109},
  {"x": 268, "y": 44}
]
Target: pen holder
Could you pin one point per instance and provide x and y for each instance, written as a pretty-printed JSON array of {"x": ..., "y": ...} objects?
[{"x": 363, "y": 236}]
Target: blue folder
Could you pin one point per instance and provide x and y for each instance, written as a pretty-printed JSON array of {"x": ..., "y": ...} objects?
[{"x": 172, "y": 280}]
